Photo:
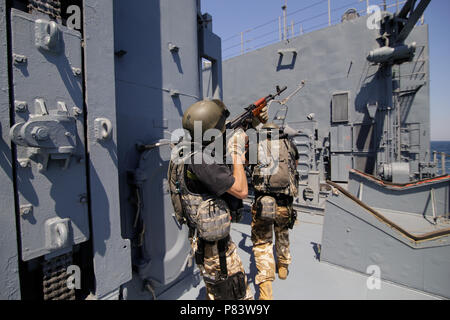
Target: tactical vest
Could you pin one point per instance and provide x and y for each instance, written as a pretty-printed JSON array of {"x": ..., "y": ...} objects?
[
  {"x": 275, "y": 172},
  {"x": 208, "y": 214}
]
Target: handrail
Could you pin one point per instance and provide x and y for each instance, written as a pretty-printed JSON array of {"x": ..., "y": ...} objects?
[
  {"x": 397, "y": 186},
  {"x": 425, "y": 237},
  {"x": 245, "y": 43}
]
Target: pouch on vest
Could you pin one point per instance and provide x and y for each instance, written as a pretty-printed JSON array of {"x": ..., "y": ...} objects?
[
  {"x": 173, "y": 175},
  {"x": 267, "y": 208},
  {"x": 213, "y": 219},
  {"x": 275, "y": 171},
  {"x": 185, "y": 203},
  {"x": 232, "y": 288}
]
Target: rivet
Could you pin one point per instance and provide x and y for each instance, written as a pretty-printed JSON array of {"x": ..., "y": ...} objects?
[
  {"x": 76, "y": 111},
  {"x": 19, "y": 58},
  {"x": 76, "y": 71},
  {"x": 20, "y": 106}
]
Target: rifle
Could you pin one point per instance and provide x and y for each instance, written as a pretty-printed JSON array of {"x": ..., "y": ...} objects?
[{"x": 253, "y": 110}]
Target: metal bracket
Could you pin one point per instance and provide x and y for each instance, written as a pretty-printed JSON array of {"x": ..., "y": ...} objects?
[
  {"x": 173, "y": 48},
  {"x": 19, "y": 59},
  {"x": 57, "y": 233},
  {"x": 26, "y": 210},
  {"x": 103, "y": 129},
  {"x": 286, "y": 52},
  {"x": 47, "y": 35},
  {"x": 20, "y": 106},
  {"x": 282, "y": 52},
  {"x": 46, "y": 135}
]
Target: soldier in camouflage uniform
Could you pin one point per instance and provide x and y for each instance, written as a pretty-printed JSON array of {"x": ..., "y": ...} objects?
[
  {"x": 210, "y": 193},
  {"x": 263, "y": 229},
  {"x": 211, "y": 268}
]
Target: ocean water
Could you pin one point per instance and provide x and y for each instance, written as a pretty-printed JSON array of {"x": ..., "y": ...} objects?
[{"x": 442, "y": 146}]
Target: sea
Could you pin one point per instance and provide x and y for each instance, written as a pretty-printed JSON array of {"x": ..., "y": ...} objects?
[{"x": 442, "y": 146}]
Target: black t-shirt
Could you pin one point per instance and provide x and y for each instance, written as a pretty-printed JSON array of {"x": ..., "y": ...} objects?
[{"x": 214, "y": 179}]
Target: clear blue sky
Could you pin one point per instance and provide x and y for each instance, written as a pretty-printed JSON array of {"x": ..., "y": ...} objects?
[{"x": 231, "y": 17}]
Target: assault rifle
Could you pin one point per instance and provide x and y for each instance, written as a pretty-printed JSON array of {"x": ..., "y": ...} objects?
[{"x": 253, "y": 110}]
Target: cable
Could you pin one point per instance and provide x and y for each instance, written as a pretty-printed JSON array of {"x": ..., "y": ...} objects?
[
  {"x": 274, "y": 20},
  {"x": 305, "y": 8},
  {"x": 295, "y": 24},
  {"x": 325, "y": 13}
]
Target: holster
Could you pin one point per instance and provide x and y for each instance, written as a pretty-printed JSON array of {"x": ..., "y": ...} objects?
[
  {"x": 231, "y": 288},
  {"x": 222, "y": 247}
]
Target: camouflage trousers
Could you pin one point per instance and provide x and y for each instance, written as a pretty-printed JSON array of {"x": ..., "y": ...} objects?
[
  {"x": 211, "y": 267},
  {"x": 262, "y": 235}
]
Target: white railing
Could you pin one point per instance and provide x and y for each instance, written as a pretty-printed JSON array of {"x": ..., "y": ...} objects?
[{"x": 278, "y": 29}]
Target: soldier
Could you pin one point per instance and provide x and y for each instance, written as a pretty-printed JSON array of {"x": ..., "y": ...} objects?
[
  {"x": 205, "y": 195},
  {"x": 272, "y": 208}
]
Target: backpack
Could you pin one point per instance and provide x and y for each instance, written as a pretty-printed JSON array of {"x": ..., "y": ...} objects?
[
  {"x": 275, "y": 172},
  {"x": 208, "y": 214}
]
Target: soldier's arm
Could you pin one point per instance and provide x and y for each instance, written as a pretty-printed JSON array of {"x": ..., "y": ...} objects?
[
  {"x": 236, "y": 148},
  {"x": 239, "y": 189}
]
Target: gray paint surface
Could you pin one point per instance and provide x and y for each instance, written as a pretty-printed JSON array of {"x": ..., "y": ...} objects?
[
  {"x": 416, "y": 199},
  {"x": 9, "y": 273},
  {"x": 142, "y": 94},
  {"x": 157, "y": 79},
  {"x": 112, "y": 259},
  {"x": 333, "y": 60},
  {"x": 355, "y": 239},
  {"x": 309, "y": 278},
  {"x": 49, "y": 76}
]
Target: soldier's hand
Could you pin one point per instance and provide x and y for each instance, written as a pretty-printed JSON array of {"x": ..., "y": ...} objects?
[
  {"x": 236, "y": 144},
  {"x": 263, "y": 117}
]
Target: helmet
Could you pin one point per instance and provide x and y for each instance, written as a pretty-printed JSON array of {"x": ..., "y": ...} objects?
[
  {"x": 270, "y": 126},
  {"x": 211, "y": 113}
]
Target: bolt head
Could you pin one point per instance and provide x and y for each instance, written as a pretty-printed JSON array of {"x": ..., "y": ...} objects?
[
  {"x": 76, "y": 111},
  {"x": 76, "y": 71},
  {"x": 40, "y": 133},
  {"x": 83, "y": 199},
  {"x": 21, "y": 106},
  {"x": 25, "y": 210},
  {"x": 173, "y": 48},
  {"x": 23, "y": 164}
]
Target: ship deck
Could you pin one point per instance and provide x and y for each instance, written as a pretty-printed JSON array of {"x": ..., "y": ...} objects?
[{"x": 309, "y": 278}]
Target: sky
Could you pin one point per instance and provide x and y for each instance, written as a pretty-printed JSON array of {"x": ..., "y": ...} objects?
[{"x": 258, "y": 19}]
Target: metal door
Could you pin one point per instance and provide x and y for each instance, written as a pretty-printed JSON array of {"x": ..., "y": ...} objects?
[{"x": 49, "y": 133}]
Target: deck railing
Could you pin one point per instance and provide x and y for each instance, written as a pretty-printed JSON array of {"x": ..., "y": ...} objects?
[{"x": 279, "y": 29}]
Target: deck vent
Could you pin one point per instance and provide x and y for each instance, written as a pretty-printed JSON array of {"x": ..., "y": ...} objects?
[{"x": 339, "y": 107}]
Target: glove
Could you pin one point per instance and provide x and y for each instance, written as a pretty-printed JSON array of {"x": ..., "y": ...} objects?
[
  {"x": 236, "y": 144},
  {"x": 263, "y": 117}
]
